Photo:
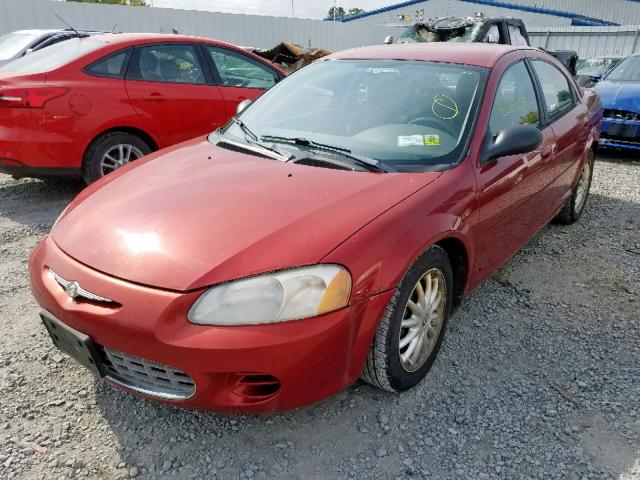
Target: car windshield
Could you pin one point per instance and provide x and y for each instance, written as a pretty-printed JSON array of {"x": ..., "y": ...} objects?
[
  {"x": 593, "y": 66},
  {"x": 13, "y": 43},
  {"x": 421, "y": 33},
  {"x": 54, "y": 56},
  {"x": 628, "y": 70},
  {"x": 411, "y": 115}
]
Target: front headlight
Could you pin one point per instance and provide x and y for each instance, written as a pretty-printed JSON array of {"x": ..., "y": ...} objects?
[{"x": 275, "y": 297}]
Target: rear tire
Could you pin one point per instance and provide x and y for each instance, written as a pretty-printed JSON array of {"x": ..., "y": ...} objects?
[
  {"x": 574, "y": 206},
  {"x": 390, "y": 364},
  {"x": 110, "y": 152}
]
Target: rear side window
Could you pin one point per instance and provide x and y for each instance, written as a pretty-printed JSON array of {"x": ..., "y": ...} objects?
[
  {"x": 238, "y": 70},
  {"x": 113, "y": 66},
  {"x": 55, "y": 56},
  {"x": 167, "y": 63},
  {"x": 556, "y": 90},
  {"x": 515, "y": 101}
]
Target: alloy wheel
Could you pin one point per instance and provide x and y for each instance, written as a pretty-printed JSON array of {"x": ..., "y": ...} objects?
[
  {"x": 422, "y": 320},
  {"x": 118, "y": 156},
  {"x": 583, "y": 187}
]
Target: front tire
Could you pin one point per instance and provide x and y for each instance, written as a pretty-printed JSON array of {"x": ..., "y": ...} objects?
[
  {"x": 412, "y": 328},
  {"x": 574, "y": 206},
  {"x": 110, "y": 152}
]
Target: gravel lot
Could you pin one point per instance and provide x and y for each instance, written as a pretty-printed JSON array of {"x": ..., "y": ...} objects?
[{"x": 539, "y": 376}]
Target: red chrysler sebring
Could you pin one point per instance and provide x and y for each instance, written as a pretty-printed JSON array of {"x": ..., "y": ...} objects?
[
  {"x": 87, "y": 106},
  {"x": 325, "y": 233}
]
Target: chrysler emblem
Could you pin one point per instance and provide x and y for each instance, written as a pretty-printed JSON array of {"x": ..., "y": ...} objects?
[{"x": 72, "y": 289}]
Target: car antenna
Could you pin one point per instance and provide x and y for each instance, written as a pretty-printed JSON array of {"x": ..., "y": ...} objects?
[
  {"x": 114, "y": 28},
  {"x": 67, "y": 24}
]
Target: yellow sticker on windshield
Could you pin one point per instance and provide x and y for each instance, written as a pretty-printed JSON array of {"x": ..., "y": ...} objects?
[{"x": 432, "y": 139}]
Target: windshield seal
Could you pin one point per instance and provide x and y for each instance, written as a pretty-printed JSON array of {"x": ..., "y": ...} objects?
[{"x": 399, "y": 159}]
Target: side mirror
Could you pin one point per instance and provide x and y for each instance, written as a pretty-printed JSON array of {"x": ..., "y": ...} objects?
[
  {"x": 515, "y": 140},
  {"x": 596, "y": 77},
  {"x": 28, "y": 51},
  {"x": 243, "y": 105},
  {"x": 388, "y": 40}
]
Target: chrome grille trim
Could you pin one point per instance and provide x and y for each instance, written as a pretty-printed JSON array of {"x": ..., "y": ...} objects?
[
  {"x": 81, "y": 292},
  {"x": 145, "y": 376}
]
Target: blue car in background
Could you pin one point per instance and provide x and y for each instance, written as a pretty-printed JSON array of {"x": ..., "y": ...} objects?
[{"x": 619, "y": 91}]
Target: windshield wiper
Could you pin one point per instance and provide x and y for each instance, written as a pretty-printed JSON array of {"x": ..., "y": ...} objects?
[
  {"x": 345, "y": 152},
  {"x": 255, "y": 141},
  {"x": 243, "y": 126}
]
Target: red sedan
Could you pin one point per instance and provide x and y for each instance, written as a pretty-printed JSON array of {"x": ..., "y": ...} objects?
[
  {"x": 90, "y": 105},
  {"x": 325, "y": 234}
]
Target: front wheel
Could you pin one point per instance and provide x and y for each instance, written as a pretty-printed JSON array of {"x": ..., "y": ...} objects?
[
  {"x": 413, "y": 325},
  {"x": 574, "y": 206}
]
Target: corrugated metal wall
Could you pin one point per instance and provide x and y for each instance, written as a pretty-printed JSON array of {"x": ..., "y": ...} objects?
[
  {"x": 264, "y": 32},
  {"x": 589, "y": 41},
  {"x": 245, "y": 30},
  {"x": 624, "y": 12}
]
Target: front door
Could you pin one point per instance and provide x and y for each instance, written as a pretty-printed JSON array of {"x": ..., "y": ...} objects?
[
  {"x": 168, "y": 87},
  {"x": 240, "y": 77}
]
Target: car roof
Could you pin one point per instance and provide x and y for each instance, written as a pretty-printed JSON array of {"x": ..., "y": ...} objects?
[
  {"x": 126, "y": 38},
  {"x": 38, "y": 31},
  {"x": 478, "y": 54}
]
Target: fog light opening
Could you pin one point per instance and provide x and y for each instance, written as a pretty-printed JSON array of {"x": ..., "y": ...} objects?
[{"x": 254, "y": 387}]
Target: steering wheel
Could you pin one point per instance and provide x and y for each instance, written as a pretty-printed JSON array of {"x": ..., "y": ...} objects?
[{"x": 436, "y": 123}]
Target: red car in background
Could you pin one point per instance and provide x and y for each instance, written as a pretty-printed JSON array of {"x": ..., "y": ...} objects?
[
  {"x": 90, "y": 105},
  {"x": 310, "y": 243}
]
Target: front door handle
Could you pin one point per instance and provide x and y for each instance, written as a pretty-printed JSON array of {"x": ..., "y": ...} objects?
[{"x": 546, "y": 151}]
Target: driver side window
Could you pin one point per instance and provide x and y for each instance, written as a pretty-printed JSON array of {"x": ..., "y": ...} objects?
[
  {"x": 515, "y": 100},
  {"x": 237, "y": 70}
]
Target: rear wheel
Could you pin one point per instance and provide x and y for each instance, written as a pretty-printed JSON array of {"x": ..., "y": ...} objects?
[
  {"x": 110, "y": 152},
  {"x": 412, "y": 328},
  {"x": 574, "y": 206}
]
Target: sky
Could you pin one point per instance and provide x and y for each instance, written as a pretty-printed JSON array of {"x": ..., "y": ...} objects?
[{"x": 277, "y": 8}]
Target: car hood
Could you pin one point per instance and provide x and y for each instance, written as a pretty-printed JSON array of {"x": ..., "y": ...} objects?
[
  {"x": 619, "y": 95},
  {"x": 197, "y": 215}
]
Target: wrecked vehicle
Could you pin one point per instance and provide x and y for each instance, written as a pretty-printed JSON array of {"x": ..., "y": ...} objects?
[
  {"x": 291, "y": 56},
  {"x": 481, "y": 29}
]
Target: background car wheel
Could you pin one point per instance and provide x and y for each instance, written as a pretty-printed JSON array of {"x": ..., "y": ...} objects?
[
  {"x": 112, "y": 151},
  {"x": 574, "y": 206},
  {"x": 413, "y": 325}
]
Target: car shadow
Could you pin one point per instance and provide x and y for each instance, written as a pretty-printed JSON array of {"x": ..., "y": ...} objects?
[{"x": 33, "y": 202}]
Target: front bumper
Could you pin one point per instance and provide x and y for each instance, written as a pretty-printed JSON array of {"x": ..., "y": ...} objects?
[
  {"x": 617, "y": 133},
  {"x": 310, "y": 359}
]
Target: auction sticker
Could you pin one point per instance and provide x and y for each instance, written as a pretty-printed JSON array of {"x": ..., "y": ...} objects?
[
  {"x": 418, "y": 140},
  {"x": 432, "y": 139},
  {"x": 410, "y": 140}
]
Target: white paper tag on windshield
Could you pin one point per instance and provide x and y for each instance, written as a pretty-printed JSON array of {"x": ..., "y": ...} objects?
[{"x": 410, "y": 140}]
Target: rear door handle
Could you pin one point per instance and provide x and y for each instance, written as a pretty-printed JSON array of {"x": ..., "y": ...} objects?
[{"x": 154, "y": 97}]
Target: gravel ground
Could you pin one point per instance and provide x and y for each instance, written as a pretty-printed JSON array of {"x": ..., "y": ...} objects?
[{"x": 539, "y": 376}]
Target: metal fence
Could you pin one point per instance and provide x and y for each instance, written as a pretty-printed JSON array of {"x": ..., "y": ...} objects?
[
  {"x": 589, "y": 41},
  {"x": 264, "y": 32},
  {"x": 245, "y": 30}
]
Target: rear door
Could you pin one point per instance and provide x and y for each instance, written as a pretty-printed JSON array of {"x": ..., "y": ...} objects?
[
  {"x": 508, "y": 185},
  {"x": 239, "y": 76},
  {"x": 173, "y": 92},
  {"x": 568, "y": 117}
]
